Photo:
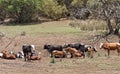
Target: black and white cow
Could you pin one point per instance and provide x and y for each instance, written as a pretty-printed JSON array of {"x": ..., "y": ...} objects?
[{"x": 28, "y": 50}]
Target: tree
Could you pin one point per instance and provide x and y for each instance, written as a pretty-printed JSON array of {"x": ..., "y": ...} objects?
[
  {"x": 21, "y": 11},
  {"x": 111, "y": 10}
]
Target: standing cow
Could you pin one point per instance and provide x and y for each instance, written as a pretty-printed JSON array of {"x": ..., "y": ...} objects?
[
  {"x": 28, "y": 50},
  {"x": 110, "y": 46},
  {"x": 51, "y": 48}
]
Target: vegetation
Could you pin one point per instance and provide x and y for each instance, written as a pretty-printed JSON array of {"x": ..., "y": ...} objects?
[{"x": 25, "y": 11}]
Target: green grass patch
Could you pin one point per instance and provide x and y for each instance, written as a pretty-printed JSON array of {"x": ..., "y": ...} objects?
[{"x": 44, "y": 28}]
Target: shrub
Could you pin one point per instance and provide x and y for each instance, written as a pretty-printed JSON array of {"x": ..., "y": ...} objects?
[{"x": 53, "y": 10}]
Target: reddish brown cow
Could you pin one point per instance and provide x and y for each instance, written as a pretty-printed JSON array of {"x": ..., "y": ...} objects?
[
  {"x": 59, "y": 54},
  {"x": 37, "y": 57},
  {"x": 71, "y": 51},
  {"x": 7, "y": 55},
  {"x": 78, "y": 54},
  {"x": 110, "y": 46}
]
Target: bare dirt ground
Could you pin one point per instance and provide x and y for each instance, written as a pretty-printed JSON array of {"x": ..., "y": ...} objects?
[{"x": 100, "y": 64}]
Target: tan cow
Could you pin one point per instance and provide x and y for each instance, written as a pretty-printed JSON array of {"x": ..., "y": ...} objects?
[{"x": 110, "y": 46}]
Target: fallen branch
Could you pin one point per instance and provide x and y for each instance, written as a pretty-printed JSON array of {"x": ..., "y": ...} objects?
[{"x": 10, "y": 41}]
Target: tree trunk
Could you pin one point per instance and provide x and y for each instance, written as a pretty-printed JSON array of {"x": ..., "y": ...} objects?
[
  {"x": 117, "y": 27},
  {"x": 117, "y": 30},
  {"x": 109, "y": 26}
]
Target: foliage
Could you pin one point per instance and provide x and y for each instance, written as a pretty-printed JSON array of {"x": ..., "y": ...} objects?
[
  {"x": 78, "y": 3},
  {"x": 51, "y": 9},
  {"x": 21, "y": 11}
]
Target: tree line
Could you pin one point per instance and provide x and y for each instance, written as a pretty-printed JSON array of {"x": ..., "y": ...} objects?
[{"x": 25, "y": 11}]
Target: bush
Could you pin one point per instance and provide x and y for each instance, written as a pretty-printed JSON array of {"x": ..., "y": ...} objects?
[
  {"x": 21, "y": 11},
  {"x": 52, "y": 10}
]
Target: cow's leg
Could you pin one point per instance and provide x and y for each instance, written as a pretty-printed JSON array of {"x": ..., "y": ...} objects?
[
  {"x": 91, "y": 54},
  {"x": 118, "y": 51},
  {"x": 29, "y": 56},
  {"x": 51, "y": 55},
  {"x": 25, "y": 56},
  {"x": 83, "y": 54},
  {"x": 71, "y": 55}
]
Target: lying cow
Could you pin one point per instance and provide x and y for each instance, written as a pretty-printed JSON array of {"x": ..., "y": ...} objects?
[
  {"x": 82, "y": 48},
  {"x": 74, "y": 52},
  {"x": 36, "y": 56},
  {"x": 51, "y": 48},
  {"x": 7, "y": 55},
  {"x": 59, "y": 54},
  {"x": 78, "y": 54},
  {"x": 20, "y": 54},
  {"x": 110, "y": 46}
]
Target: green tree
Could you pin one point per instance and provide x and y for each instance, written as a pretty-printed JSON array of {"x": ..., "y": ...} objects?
[
  {"x": 53, "y": 10},
  {"x": 21, "y": 11}
]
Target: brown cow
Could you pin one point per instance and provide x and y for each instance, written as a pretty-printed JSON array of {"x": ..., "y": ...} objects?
[
  {"x": 110, "y": 46},
  {"x": 7, "y": 55},
  {"x": 36, "y": 56},
  {"x": 71, "y": 51},
  {"x": 78, "y": 54},
  {"x": 91, "y": 51},
  {"x": 59, "y": 54}
]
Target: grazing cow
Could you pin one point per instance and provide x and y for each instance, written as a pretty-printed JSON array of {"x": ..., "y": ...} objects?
[
  {"x": 7, "y": 55},
  {"x": 51, "y": 48},
  {"x": 110, "y": 46},
  {"x": 59, "y": 54},
  {"x": 28, "y": 50},
  {"x": 91, "y": 50}
]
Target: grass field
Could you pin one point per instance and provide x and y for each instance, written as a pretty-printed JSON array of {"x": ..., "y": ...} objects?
[
  {"x": 57, "y": 32},
  {"x": 56, "y": 27},
  {"x": 43, "y": 28}
]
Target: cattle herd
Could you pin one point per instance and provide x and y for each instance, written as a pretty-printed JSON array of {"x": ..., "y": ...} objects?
[{"x": 72, "y": 50}]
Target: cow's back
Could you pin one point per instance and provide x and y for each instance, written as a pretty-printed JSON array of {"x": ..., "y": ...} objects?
[{"x": 111, "y": 46}]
